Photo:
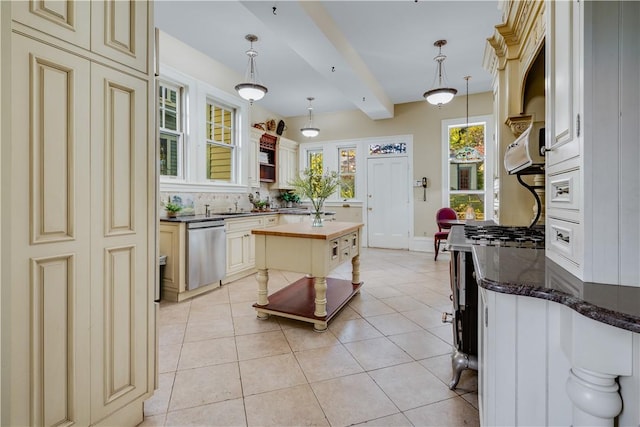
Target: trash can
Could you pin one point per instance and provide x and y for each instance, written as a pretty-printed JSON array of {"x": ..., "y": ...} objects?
[{"x": 162, "y": 262}]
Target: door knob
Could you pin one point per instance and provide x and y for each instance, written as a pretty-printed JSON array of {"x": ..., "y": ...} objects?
[{"x": 370, "y": 209}]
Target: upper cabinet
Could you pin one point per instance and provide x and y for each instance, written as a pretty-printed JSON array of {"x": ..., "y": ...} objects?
[
  {"x": 117, "y": 30},
  {"x": 287, "y": 153},
  {"x": 593, "y": 103}
]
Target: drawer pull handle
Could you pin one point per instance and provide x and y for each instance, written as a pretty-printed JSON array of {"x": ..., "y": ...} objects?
[
  {"x": 562, "y": 237},
  {"x": 562, "y": 190}
]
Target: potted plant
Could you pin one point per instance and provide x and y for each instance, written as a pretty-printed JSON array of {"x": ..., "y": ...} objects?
[
  {"x": 290, "y": 198},
  {"x": 172, "y": 209},
  {"x": 317, "y": 187}
]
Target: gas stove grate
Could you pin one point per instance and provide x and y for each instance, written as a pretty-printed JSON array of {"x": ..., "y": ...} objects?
[{"x": 509, "y": 236}]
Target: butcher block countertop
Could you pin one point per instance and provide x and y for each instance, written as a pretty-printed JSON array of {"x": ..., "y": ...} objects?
[{"x": 329, "y": 230}]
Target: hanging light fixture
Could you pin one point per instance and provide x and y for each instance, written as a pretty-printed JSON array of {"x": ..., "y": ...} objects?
[
  {"x": 441, "y": 94},
  {"x": 252, "y": 90},
  {"x": 309, "y": 131}
]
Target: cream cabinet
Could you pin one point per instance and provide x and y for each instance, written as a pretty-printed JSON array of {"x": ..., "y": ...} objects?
[
  {"x": 81, "y": 224},
  {"x": 592, "y": 150},
  {"x": 241, "y": 253},
  {"x": 253, "y": 177},
  {"x": 287, "y": 164}
]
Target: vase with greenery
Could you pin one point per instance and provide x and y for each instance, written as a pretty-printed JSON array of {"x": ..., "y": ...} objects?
[
  {"x": 172, "y": 209},
  {"x": 316, "y": 186}
]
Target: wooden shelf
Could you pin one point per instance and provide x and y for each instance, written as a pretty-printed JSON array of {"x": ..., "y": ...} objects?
[{"x": 268, "y": 168}]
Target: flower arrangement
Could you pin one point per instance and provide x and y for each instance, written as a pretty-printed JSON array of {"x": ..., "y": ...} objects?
[
  {"x": 172, "y": 208},
  {"x": 317, "y": 187}
]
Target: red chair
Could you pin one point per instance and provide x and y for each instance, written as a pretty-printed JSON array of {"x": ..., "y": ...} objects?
[{"x": 443, "y": 228}]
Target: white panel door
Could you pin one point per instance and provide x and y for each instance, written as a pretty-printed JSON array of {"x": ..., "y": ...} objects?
[{"x": 388, "y": 202}]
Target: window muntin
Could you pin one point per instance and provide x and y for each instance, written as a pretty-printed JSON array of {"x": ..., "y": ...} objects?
[
  {"x": 466, "y": 164},
  {"x": 171, "y": 126},
  {"x": 347, "y": 172},
  {"x": 221, "y": 141}
]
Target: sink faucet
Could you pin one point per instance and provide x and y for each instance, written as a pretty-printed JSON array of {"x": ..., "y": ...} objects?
[
  {"x": 206, "y": 210},
  {"x": 236, "y": 203}
]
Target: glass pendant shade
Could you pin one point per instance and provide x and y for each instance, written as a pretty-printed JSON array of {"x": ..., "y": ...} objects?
[
  {"x": 309, "y": 131},
  {"x": 441, "y": 94},
  {"x": 252, "y": 90}
]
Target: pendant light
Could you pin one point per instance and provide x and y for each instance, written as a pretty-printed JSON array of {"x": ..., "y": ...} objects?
[
  {"x": 309, "y": 131},
  {"x": 252, "y": 90},
  {"x": 441, "y": 94}
]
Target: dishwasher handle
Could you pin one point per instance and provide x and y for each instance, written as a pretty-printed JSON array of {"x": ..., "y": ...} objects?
[{"x": 205, "y": 224}]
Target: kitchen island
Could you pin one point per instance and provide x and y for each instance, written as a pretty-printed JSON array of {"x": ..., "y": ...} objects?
[
  {"x": 554, "y": 350},
  {"x": 314, "y": 251}
]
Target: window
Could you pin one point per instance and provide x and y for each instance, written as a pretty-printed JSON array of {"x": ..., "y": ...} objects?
[
  {"x": 315, "y": 161},
  {"x": 466, "y": 166},
  {"x": 221, "y": 141},
  {"x": 347, "y": 172},
  {"x": 171, "y": 125}
]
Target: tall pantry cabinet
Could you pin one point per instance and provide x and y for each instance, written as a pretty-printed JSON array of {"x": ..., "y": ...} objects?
[
  {"x": 78, "y": 330},
  {"x": 593, "y": 105}
]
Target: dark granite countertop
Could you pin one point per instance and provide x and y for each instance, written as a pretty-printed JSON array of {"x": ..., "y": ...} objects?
[
  {"x": 231, "y": 215},
  {"x": 527, "y": 272}
]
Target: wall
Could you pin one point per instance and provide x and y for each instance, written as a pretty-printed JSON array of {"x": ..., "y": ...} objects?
[{"x": 421, "y": 119}]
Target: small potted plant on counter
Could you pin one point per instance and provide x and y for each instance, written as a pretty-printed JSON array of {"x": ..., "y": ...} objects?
[
  {"x": 172, "y": 209},
  {"x": 290, "y": 198}
]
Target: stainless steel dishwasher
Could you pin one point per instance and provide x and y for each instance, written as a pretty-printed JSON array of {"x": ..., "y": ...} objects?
[{"x": 206, "y": 253}]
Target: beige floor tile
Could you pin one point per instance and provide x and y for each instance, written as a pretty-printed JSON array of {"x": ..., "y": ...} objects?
[
  {"x": 208, "y": 352},
  {"x": 327, "y": 362},
  {"x": 229, "y": 413},
  {"x": 305, "y": 338},
  {"x": 421, "y": 345},
  {"x": 199, "y": 331},
  {"x": 295, "y": 406},
  {"x": 352, "y": 399},
  {"x": 353, "y": 330},
  {"x": 215, "y": 296},
  {"x": 377, "y": 353},
  {"x": 244, "y": 295},
  {"x": 171, "y": 312},
  {"x": 440, "y": 366},
  {"x": 168, "y": 356},
  {"x": 381, "y": 291},
  {"x": 153, "y": 421},
  {"x": 200, "y": 386},
  {"x": 171, "y": 334},
  {"x": 391, "y": 324},
  {"x": 244, "y": 325},
  {"x": 395, "y": 420},
  {"x": 426, "y": 317},
  {"x": 262, "y": 344},
  {"x": 403, "y": 303},
  {"x": 411, "y": 288},
  {"x": 346, "y": 313},
  {"x": 444, "y": 332},
  {"x": 270, "y": 373},
  {"x": 410, "y": 385},
  {"x": 159, "y": 403},
  {"x": 435, "y": 300},
  {"x": 243, "y": 309},
  {"x": 472, "y": 398},
  {"x": 209, "y": 313},
  {"x": 450, "y": 412}
]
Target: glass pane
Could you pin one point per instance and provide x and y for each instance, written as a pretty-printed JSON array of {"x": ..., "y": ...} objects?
[
  {"x": 168, "y": 155},
  {"x": 460, "y": 202},
  {"x": 348, "y": 186},
  {"x": 466, "y": 157},
  {"x": 347, "y": 160},
  {"x": 315, "y": 161},
  {"x": 170, "y": 120},
  {"x": 397, "y": 148},
  {"x": 219, "y": 162}
]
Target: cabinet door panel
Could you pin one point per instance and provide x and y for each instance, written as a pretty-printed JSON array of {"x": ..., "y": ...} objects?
[
  {"x": 65, "y": 19},
  {"x": 119, "y": 30},
  {"x": 49, "y": 375},
  {"x": 121, "y": 294}
]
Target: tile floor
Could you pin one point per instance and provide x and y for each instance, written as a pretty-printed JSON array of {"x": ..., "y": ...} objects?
[{"x": 385, "y": 360}]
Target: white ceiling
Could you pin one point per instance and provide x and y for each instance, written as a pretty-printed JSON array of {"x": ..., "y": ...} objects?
[{"x": 349, "y": 55}]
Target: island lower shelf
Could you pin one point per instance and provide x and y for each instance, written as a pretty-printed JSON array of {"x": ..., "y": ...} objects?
[{"x": 297, "y": 301}]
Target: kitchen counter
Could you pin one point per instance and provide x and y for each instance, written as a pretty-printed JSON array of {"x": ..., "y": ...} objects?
[
  {"x": 527, "y": 272},
  {"x": 226, "y": 215}
]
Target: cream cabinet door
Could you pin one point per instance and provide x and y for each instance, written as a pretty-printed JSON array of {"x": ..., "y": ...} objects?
[
  {"x": 121, "y": 288},
  {"x": 67, "y": 20},
  {"x": 254, "y": 165},
  {"x": 120, "y": 31},
  {"x": 50, "y": 237},
  {"x": 238, "y": 246}
]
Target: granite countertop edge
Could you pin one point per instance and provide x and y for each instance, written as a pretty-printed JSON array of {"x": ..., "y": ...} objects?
[
  {"x": 600, "y": 314},
  {"x": 222, "y": 216}
]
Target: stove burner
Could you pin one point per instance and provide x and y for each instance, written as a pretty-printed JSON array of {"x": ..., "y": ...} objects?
[{"x": 509, "y": 236}]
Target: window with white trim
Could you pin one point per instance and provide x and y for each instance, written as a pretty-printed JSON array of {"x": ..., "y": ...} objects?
[
  {"x": 171, "y": 123},
  {"x": 315, "y": 160},
  {"x": 347, "y": 172},
  {"x": 468, "y": 167},
  {"x": 221, "y": 141}
]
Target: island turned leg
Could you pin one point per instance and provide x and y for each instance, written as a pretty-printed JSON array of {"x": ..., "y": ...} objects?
[
  {"x": 355, "y": 270},
  {"x": 262, "y": 276},
  {"x": 320, "y": 285}
]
